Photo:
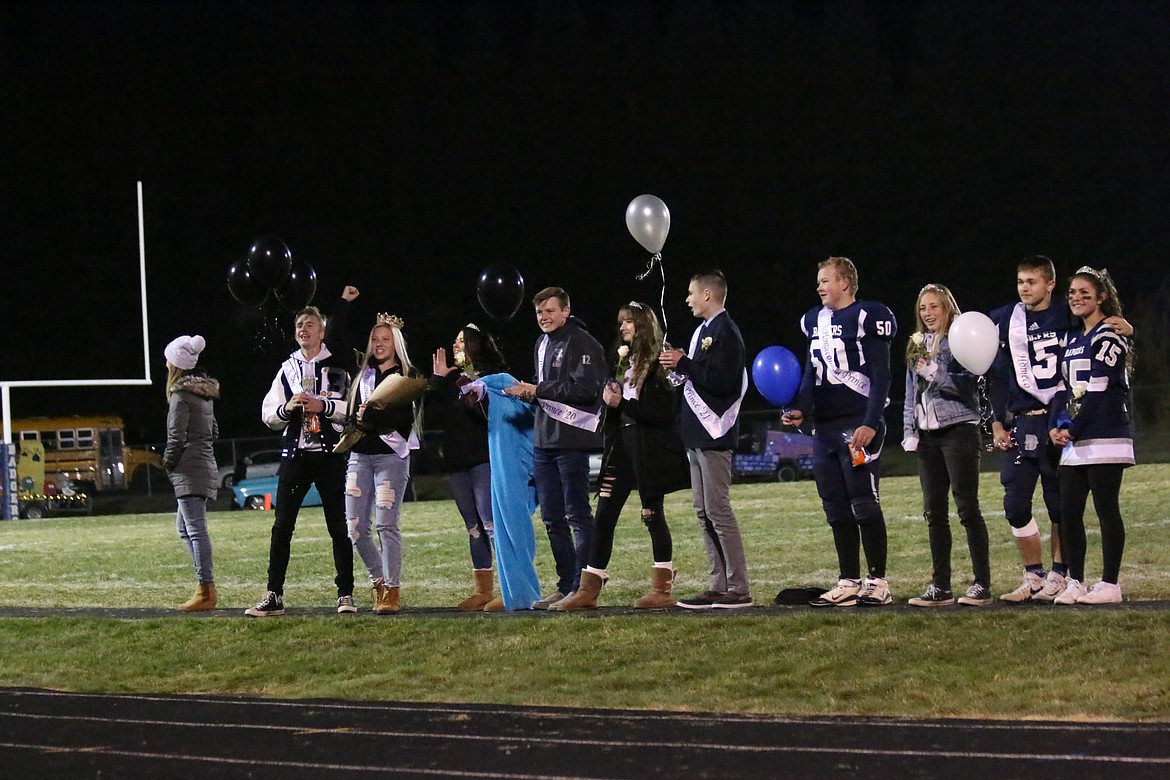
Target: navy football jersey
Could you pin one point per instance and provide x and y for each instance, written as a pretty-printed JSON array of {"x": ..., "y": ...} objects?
[
  {"x": 860, "y": 346},
  {"x": 1094, "y": 402},
  {"x": 1047, "y": 331}
]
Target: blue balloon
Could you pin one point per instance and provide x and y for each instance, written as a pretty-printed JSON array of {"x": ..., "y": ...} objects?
[{"x": 776, "y": 373}]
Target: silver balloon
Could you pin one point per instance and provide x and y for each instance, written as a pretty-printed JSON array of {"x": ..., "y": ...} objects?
[{"x": 648, "y": 220}]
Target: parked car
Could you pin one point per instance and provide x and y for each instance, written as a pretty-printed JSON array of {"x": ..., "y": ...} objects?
[
  {"x": 250, "y": 493},
  {"x": 786, "y": 457},
  {"x": 263, "y": 463}
]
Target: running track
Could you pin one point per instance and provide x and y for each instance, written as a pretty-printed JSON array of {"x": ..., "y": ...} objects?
[{"x": 53, "y": 734}]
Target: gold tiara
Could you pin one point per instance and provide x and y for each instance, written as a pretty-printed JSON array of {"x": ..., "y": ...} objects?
[{"x": 393, "y": 320}]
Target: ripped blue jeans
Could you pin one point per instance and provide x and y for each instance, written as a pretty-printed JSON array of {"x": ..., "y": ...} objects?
[{"x": 376, "y": 483}]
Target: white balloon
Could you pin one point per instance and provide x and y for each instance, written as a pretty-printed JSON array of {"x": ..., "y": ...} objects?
[
  {"x": 974, "y": 341},
  {"x": 648, "y": 220}
]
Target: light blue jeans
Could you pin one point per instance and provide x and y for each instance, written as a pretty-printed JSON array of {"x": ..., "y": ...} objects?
[
  {"x": 472, "y": 491},
  {"x": 376, "y": 483},
  {"x": 191, "y": 520}
]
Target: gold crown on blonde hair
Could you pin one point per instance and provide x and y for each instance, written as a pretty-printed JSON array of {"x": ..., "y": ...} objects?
[{"x": 393, "y": 320}]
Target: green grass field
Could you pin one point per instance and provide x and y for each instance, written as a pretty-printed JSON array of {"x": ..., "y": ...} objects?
[{"x": 998, "y": 662}]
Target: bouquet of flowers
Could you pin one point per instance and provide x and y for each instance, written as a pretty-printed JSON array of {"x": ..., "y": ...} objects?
[
  {"x": 919, "y": 348},
  {"x": 1074, "y": 402}
]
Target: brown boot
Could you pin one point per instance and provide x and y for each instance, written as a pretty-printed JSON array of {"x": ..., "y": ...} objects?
[
  {"x": 585, "y": 597},
  {"x": 387, "y": 601},
  {"x": 377, "y": 586},
  {"x": 495, "y": 605},
  {"x": 658, "y": 597},
  {"x": 483, "y": 592},
  {"x": 203, "y": 600}
]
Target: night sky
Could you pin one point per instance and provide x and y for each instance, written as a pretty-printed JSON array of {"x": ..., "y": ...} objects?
[{"x": 403, "y": 147}]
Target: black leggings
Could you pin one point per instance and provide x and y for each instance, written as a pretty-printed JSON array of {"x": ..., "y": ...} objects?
[
  {"x": 1103, "y": 480},
  {"x": 617, "y": 482}
]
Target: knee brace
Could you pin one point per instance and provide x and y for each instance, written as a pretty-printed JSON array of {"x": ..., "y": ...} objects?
[{"x": 1024, "y": 531}]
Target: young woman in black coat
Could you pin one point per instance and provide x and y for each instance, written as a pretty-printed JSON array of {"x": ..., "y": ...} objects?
[{"x": 643, "y": 451}]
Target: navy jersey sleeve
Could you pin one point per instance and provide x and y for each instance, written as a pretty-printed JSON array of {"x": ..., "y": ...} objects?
[{"x": 880, "y": 328}]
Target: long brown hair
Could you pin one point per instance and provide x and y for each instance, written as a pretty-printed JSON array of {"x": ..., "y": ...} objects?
[{"x": 647, "y": 341}]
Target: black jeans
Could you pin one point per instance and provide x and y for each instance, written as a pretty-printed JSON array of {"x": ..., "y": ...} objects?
[
  {"x": 948, "y": 462},
  {"x": 617, "y": 482},
  {"x": 297, "y": 474}
]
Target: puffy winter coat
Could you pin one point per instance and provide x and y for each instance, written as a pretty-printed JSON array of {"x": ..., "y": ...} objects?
[{"x": 191, "y": 428}]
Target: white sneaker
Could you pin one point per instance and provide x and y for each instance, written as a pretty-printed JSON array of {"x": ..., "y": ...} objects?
[
  {"x": 875, "y": 593},
  {"x": 1053, "y": 586},
  {"x": 1032, "y": 584},
  {"x": 844, "y": 595},
  {"x": 1073, "y": 592},
  {"x": 1102, "y": 593}
]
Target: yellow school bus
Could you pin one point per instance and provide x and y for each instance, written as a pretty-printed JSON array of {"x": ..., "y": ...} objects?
[{"x": 88, "y": 450}]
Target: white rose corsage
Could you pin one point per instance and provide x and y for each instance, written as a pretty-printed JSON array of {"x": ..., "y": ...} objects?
[{"x": 706, "y": 343}]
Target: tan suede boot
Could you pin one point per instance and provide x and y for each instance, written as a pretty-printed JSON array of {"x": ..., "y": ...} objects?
[
  {"x": 378, "y": 587},
  {"x": 204, "y": 599},
  {"x": 483, "y": 592},
  {"x": 387, "y": 601},
  {"x": 658, "y": 597},
  {"x": 584, "y": 598},
  {"x": 495, "y": 605}
]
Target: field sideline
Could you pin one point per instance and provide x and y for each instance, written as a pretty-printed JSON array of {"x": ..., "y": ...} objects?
[{"x": 996, "y": 662}]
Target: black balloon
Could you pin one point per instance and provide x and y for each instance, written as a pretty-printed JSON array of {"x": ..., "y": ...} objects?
[
  {"x": 243, "y": 287},
  {"x": 269, "y": 261},
  {"x": 500, "y": 291},
  {"x": 300, "y": 287}
]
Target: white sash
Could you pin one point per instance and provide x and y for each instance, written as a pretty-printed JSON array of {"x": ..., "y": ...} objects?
[
  {"x": 393, "y": 440},
  {"x": 569, "y": 415},
  {"x": 715, "y": 425},
  {"x": 855, "y": 381},
  {"x": 1022, "y": 358}
]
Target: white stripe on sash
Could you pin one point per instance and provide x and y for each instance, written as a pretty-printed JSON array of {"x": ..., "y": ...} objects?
[
  {"x": 716, "y": 425},
  {"x": 855, "y": 381},
  {"x": 1022, "y": 359},
  {"x": 393, "y": 440}
]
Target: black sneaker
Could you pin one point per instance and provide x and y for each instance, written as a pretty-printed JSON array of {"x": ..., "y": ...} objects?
[
  {"x": 733, "y": 601},
  {"x": 270, "y": 606},
  {"x": 934, "y": 596},
  {"x": 977, "y": 596},
  {"x": 345, "y": 605},
  {"x": 705, "y": 600}
]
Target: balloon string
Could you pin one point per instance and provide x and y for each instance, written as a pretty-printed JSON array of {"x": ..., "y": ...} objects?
[
  {"x": 662, "y": 296},
  {"x": 654, "y": 258}
]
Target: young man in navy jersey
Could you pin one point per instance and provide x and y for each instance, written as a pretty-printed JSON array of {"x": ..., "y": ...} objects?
[
  {"x": 1022, "y": 382},
  {"x": 845, "y": 386}
]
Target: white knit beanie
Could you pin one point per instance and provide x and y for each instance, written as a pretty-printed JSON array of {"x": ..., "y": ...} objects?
[{"x": 184, "y": 351}]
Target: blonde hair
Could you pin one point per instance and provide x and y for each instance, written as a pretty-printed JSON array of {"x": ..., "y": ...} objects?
[
  {"x": 399, "y": 347},
  {"x": 174, "y": 374},
  {"x": 844, "y": 268},
  {"x": 950, "y": 310}
]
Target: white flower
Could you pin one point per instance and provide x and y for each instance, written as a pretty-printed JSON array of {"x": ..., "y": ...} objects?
[
  {"x": 707, "y": 342},
  {"x": 917, "y": 338},
  {"x": 623, "y": 351},
  {"x": 460, "y": 358}
]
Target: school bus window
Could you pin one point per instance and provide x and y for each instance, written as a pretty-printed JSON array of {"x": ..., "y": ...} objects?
[
  {"x": 49, "y": 439},
  {"x": 66, "y": 440},
  {"x": 84, "y": 438},
  {"x": 29, "y": 435}
]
